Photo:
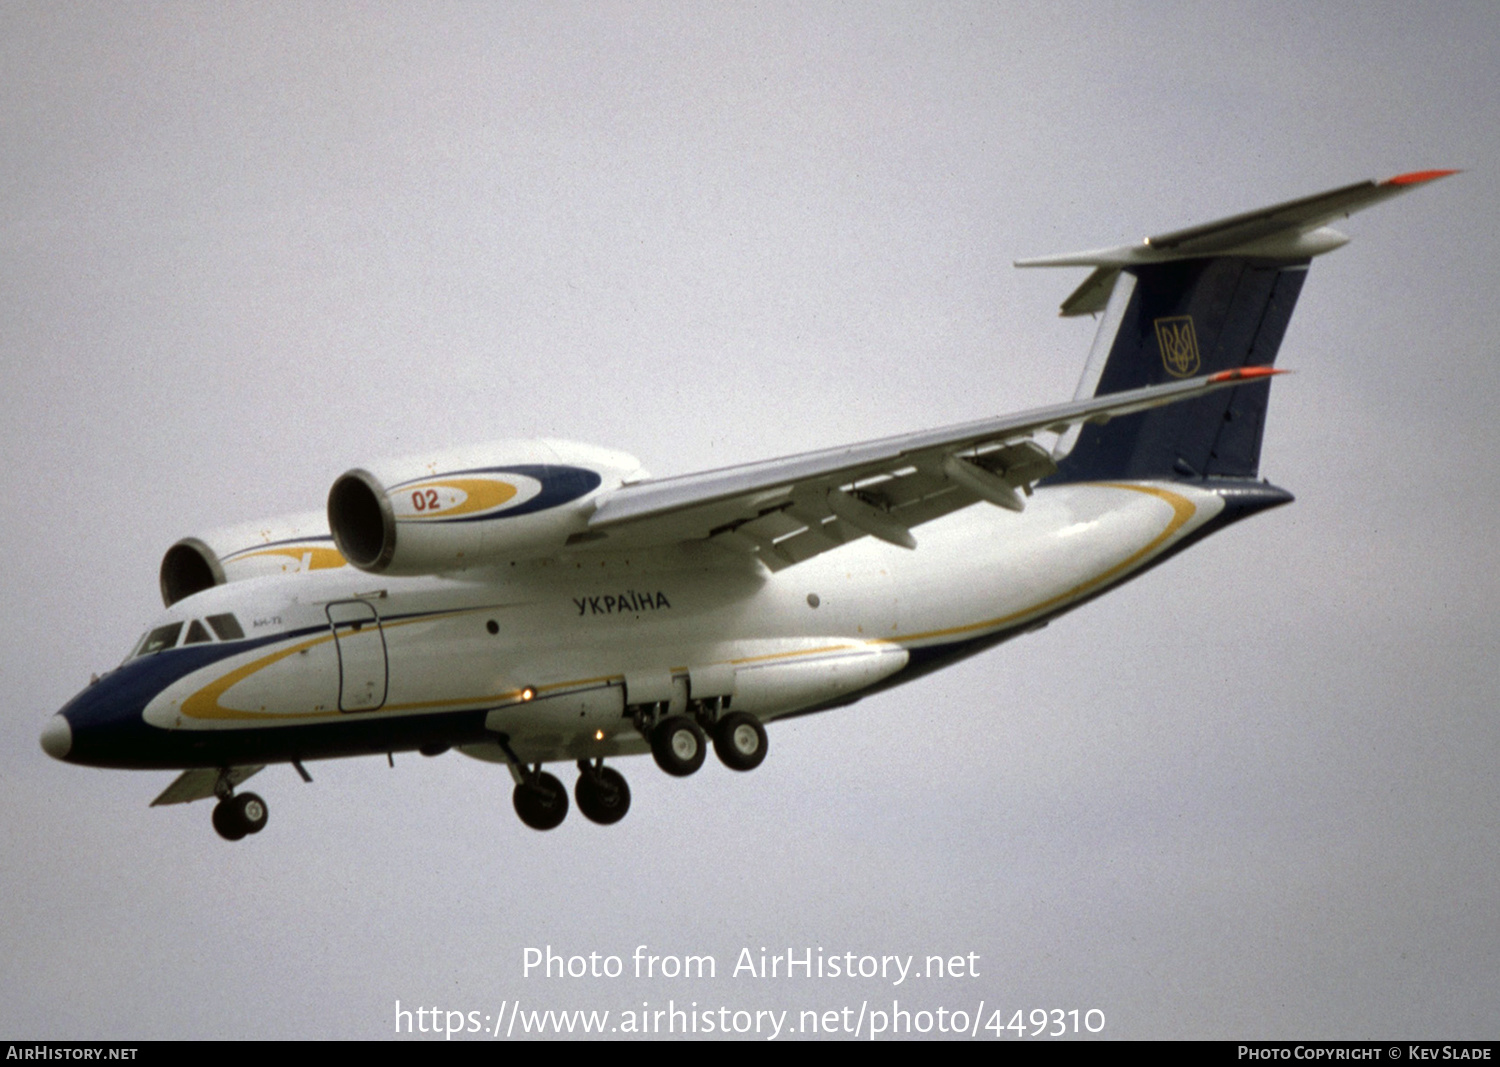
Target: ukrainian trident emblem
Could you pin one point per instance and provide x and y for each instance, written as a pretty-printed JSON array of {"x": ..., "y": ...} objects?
[{"x": 1179, "y": 345}]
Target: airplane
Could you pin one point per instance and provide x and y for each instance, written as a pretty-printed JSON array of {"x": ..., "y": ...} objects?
[{"x": 534, "y": 602}]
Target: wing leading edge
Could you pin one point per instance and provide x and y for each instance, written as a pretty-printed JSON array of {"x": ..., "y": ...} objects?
[{"x": 784, "y": 511}]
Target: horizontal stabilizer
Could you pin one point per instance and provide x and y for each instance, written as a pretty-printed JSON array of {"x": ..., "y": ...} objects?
[{"x": 1293, "y": 230}]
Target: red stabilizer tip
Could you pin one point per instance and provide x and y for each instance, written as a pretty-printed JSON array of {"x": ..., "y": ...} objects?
[
  {"x": 1244, "y": 372},
  {"x": 1417, "y": 177}
]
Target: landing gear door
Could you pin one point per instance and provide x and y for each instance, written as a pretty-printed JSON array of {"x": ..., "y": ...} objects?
[{"x": 363, "y": 671}]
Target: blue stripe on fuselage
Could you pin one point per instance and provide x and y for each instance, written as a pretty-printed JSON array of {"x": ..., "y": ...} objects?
[
  {"x": 106, "y": 717},
  {"x": 109, "y": 731}
]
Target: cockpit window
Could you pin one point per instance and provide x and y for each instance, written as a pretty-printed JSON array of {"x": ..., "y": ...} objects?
[
  {"x": 161, "y": 639},
  {"x": 197, "y": 634},
  {"x": 135, "y": 649},
  {"x": 226, "y": 626}
]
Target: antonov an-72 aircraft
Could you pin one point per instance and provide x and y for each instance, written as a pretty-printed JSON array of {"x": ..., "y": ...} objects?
[{"x": 531, "y": 602}]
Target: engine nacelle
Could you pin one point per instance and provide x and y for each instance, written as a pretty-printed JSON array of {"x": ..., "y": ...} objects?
[
  {"x": 470, "y": 507},
  {"x": 277, "y": 546}
]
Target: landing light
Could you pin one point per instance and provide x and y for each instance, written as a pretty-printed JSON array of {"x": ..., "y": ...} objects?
[
  {"x": 598, "y": 735},
  {"x": 528, "y": 693}
]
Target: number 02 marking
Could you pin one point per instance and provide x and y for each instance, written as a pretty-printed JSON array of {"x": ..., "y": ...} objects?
[{"x": 424, "y": 499}]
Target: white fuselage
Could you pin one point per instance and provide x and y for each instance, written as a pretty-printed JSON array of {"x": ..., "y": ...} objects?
[{"x": 550, "y": 650}]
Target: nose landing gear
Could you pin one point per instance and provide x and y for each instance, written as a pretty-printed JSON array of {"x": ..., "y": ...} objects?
[{"x": 236, "y": 816}]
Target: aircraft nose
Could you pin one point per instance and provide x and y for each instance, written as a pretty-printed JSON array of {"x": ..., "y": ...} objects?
[{"x": 57, "y": 737}]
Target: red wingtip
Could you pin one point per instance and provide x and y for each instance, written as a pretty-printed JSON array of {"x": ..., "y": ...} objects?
[
  {"x": 1244, "y": 373},
  {"x": 1417, "y": 177}
]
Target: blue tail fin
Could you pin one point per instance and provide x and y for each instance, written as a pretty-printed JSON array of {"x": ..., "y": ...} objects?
[
  {"x": 1193, "y": 302},
  {"x": 1182, "y": 320}
]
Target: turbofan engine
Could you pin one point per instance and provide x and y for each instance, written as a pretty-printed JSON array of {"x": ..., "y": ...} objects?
[
  {"x": 275, "y": 546},
  {"x": 470, "y": 507}
]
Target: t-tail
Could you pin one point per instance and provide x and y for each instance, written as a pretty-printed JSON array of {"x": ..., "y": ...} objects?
[{"x": 1194, "y": 302}]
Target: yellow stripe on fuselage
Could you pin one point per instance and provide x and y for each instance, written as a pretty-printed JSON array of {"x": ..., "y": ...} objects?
[
  {"x": 1183, "y": 510},
  {"x": 205, "y": 705}
]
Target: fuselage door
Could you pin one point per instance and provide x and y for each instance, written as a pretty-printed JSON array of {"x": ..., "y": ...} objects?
[{"x": 363, "y": 671}]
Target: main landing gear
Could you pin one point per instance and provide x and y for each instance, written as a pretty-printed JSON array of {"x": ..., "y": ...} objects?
[
  {"x": 236, "y": 816},
  {"x": 740, "y": 741},
  {"x": 679, "y": 744},
  {"x": 601, "y": 792},
  {"x": 540, "y": 800}
]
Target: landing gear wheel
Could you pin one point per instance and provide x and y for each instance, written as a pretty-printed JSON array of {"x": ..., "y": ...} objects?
[
  {"x": 740, "y": 741},
  {"x": 541, "y": 802},
  {"x": 602, "y": 795},
  {"x": 228, "y": 822},
  {"x": 678, "y": 745},
  {"x": 251, "y": 812}
]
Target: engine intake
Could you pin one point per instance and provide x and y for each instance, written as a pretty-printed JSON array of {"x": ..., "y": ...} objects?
[
  {"x": 286, "y": 545},
  {"x": 189, "y": 567},
  {"x": 362, "y": 520}
]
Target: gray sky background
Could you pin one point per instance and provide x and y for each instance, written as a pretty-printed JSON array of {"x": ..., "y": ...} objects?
[{"x": 249, "y": 246}]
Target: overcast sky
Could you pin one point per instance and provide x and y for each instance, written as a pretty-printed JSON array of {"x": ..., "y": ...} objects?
[{"x": 246, "y": 247}]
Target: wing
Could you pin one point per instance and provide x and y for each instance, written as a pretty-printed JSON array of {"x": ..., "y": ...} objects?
[{"x": 784, "y": 511}]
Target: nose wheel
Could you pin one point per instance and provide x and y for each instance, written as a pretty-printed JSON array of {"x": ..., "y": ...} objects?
[{"x": 238, "y": 816}]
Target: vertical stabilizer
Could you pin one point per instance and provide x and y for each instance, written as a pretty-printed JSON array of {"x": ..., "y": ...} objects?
[
  {"x": 1193, "y": 302},
  {"x": 1183, "y": 320}
]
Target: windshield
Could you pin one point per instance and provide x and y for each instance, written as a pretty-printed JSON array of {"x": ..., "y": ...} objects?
[
  {"x": 160, "y": 639},
  {"x": 227, "y": 627},
  {"x": 135, "y": 649}
]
